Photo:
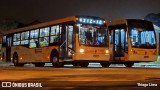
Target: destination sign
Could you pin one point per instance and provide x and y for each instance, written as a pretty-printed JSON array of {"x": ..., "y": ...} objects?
[{"x": 90, "y": 21}]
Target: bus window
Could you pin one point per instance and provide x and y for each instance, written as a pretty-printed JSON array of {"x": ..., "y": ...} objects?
[
  {"x": 34, "y": 33},
  {"x": 24, "y": 37},
  {"x": 16, "y": 39},
  {"x": 55, "y": 34},
  {"x": 44, "y": 32},
  {"x": 126, "y": 43},
  {"x": 4, "y": 41},
  {"x": 44, "y": 41},
  {"x": 24, "y": 42},
  {"x": 70, "y": 34},
  {"x": 34, "y": 38},
  {"x": 143, "y": 38},
  {"x": 33, "y": 43},
  {"x": 92, "y": 36},
  {"x": 53, "y": 29}
]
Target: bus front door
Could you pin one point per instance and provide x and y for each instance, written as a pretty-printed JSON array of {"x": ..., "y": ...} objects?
[
  {"x": 118, "y": 44},
  {"x": 8, "y": 49},
  {"x": 66, "y": 46}
]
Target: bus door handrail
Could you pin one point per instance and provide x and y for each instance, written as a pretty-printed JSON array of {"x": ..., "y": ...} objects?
[{"x": 63, "y": 43}]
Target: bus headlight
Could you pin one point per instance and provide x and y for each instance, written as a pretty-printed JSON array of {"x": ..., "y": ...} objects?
[
  {"x": 107, "y": 51},
  {"x": 81, "y": 50}
]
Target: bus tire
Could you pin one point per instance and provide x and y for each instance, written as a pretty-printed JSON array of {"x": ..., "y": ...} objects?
[
  {"x": 39, "y": 64},
  {"x": 15, "y": 61},
  {"x": 128, "y": 64},
  {"x": 105, "y": 64},
  {"x": 84, "y": 64},
  {"x": 55, "y": 61}
]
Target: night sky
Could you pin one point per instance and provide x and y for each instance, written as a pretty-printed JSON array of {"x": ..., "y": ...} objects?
[{"x": 45, "y": 10}]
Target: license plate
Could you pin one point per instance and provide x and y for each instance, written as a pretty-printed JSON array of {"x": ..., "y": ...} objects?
[
  {"x": 95, "y": 55},
  {"x": 146, "y": 56}
]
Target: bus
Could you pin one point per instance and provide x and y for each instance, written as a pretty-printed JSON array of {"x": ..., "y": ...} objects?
[
  {"x": 132, "y": 41},
  {"x": 76, "y": 40}
]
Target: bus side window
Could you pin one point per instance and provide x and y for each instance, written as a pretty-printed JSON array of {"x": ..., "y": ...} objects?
[
  {"x": 55, "y": 34},
  {"x": 32, "y": 43},
  {"x": 4, "y": 41},
  {"x": 44, "y": 41}
]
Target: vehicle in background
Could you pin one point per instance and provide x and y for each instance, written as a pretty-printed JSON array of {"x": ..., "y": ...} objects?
[{"x": 132, "y": 41}]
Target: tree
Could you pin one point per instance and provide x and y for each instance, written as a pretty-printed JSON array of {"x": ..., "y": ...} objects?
[
  {"x": 10, "y": 24},
  {"x": 154, "y": 18}
]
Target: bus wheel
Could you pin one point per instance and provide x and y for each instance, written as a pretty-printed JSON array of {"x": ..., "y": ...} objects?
[
  {"x": 15, "y": 61},
  {"x": 105, "y": 64},
  {"x": 55, "y": 61},
  {"x": 84, "y": 64},
  {"x": 128, "y": 64},
  {"x": 39, "y": 64}
]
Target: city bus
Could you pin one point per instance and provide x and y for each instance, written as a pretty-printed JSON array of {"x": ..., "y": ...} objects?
[
  {"x": 76, "y": 40},
  {"x": 132, "y": 41}
]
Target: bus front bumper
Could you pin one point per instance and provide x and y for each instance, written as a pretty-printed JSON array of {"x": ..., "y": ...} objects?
[
  {"x": 91, "y": 57},
  {"x": 142, "y": 58}
]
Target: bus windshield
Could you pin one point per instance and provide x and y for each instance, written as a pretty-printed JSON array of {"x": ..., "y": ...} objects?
[
  {"x": 143, "y": 38},
  {"x": 93, "y": 36}
]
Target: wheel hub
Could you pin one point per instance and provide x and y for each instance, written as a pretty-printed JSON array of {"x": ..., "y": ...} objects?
[{"x": 15, "y": 60}]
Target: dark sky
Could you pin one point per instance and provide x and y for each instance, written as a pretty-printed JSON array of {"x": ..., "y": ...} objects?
[{"x": 45, "y": 10}]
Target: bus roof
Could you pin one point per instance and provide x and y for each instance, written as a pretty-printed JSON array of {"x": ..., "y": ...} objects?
[
  {"x": 123, "y": 21},
  {"x": 49, "y": 23},
  {"x": 62, "y": 20}
]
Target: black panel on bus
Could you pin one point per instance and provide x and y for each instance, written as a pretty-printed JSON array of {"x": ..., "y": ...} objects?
[{"x": 140, "y": 23}]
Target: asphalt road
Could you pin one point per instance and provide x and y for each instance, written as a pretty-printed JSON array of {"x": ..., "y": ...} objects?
[{"x": 71, "y": 78}]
